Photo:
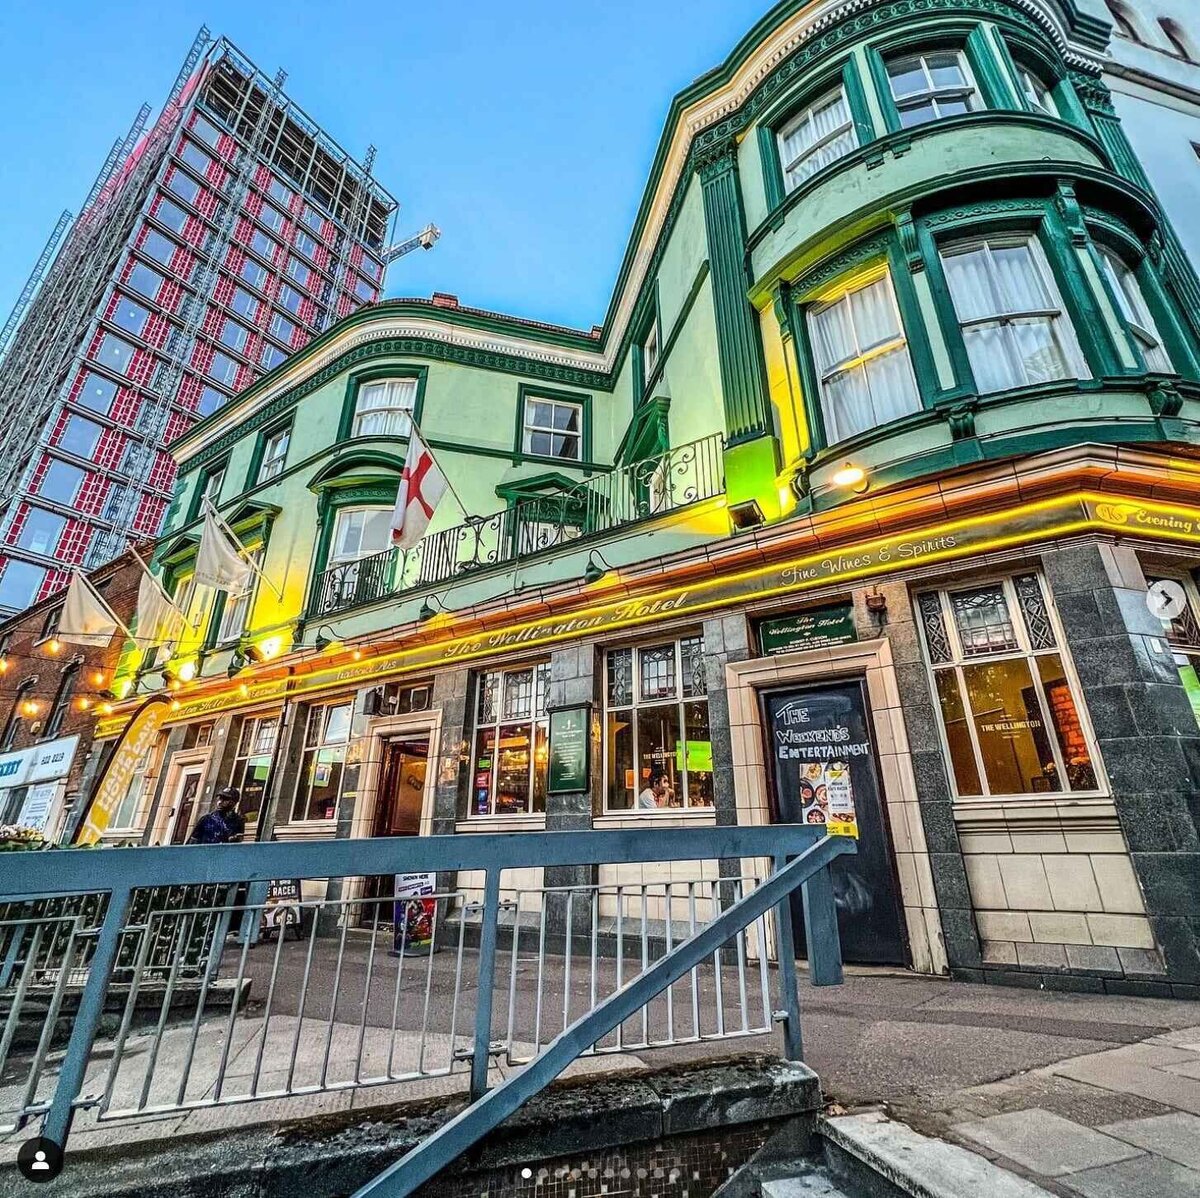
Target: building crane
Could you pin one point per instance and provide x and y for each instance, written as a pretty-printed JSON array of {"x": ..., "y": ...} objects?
[{"x": 425, "y": 240}]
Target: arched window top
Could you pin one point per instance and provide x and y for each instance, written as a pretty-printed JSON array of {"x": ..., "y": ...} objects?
[
  {"x": 1127, "y": 21},
  {"x": 1179, "y": 39}
]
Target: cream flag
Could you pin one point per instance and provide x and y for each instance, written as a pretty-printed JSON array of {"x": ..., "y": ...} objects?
[
  {"x": 219, "y": 564},
  {"x": 158, "y": 619},
  {"x": 86, "y": 619}
]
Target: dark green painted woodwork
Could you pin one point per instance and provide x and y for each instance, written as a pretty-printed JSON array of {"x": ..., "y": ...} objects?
[
  {"x": 530, "y": 391},
  {"x": 739, "y": 344}
]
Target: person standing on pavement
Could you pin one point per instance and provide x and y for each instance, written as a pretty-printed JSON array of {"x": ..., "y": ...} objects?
[{"x": 223, "y": 825}]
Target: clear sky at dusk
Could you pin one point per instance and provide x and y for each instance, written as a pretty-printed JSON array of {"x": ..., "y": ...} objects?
[{"x": 525, "y": 129}]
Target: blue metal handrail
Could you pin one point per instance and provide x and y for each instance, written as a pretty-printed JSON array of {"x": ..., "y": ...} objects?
[{"x": 119, "y": 873}]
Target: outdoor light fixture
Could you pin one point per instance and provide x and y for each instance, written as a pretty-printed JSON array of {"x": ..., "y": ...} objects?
[
  {"x": 54, "y": 646},
  {"x": 594, "y": 571},
  {"x": 746, "y": 515},
  {"x": 98, "y": 678},
  {"x": 321, "y": 642},
  {"x": 853, "y": 478},
  {"x": 428, "y": 611},
  {"x": 187, "y": 671}
]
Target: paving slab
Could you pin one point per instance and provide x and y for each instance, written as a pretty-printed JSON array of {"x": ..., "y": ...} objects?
[
  {"x": 1046, "y": 1143},
  {"x": 1175, "y": 1136},
  {"x": 1146, "y": 1177}
]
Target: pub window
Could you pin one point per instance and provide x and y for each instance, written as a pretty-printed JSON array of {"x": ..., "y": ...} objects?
[
  {"x": 125, "y": 816},
  {"x": 236, "y": 611},
  {"x": 62, "y": 701},
  {"x": 13, "y": 723},
  {"x": 656, "y": 725},
  {"x": 1128, "y": 293},
  {"x": 252, "y": 765},
  {"x": 331, "y": 763},
  {"x": 384, "y": 408},
  {"x": 929, "y": 87},
  {"x": 821, "y": 134},
  {"x": 1182, "y": 630},
  {"x": 511, "y": 734},
  {"x": 1012, "y": 722}
]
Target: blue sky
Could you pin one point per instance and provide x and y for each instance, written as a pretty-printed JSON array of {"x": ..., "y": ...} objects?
[{"x": 524, "y": 129}]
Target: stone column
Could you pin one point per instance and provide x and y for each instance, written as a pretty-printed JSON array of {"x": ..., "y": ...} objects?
[
  {"x": 575, "y": 680},
  {"x": 934, "y": 794},
  {"x": 1146, "y": 732},
  {"x": 451, "y": 756},
  {"x": 726, "y": 639}
]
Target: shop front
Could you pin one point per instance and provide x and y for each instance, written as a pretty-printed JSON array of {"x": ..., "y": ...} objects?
[
  {"x": 33, "y": 784},
  {"x": 975, "y": 701}
]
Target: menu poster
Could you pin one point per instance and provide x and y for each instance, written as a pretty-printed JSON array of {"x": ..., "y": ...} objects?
[{"x": 827, "y": 796}]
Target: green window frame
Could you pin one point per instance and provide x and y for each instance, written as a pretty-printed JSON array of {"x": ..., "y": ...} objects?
[
  {"x": 528, "y": 392},
  {"x": 375, "y": 374},
  {"x": 988, "y": 83},
  {"x": 647, "y": 348},
  {"x": 771, "y": 127},
  {"x": 266, "y": 438},
  {"x": 210, "y": 481}
]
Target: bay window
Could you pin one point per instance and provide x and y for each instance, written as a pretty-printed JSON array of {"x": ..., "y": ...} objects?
[
  {"x": 510, "y": 755},
  {"x": 1010, "y": 312},
  {"x": 1038, "y": 94},
  {"x": 928, "y": 87},
  {"x": 863, "y": 366},
  {"x": 384, "y": 408},
  {"x": 1009, "y": 712},
  {"x": 656, "y": 726},
  {"x": 819, "y": 135},
  {"x": 1127, "y": 291}
]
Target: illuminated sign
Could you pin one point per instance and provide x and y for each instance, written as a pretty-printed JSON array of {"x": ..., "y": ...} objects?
[{"x": 962, "y": 538}]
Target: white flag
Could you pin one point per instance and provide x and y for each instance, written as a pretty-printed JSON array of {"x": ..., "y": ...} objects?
[
  {"x": 158, "y": 619},
  {"x": 422, "y": 484},
  {"x": 219, "y": 564},
  {"x": 85, "y": 618}
]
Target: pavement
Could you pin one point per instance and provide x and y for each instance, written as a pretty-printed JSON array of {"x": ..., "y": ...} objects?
[{"x": 1083, "y": 1094}]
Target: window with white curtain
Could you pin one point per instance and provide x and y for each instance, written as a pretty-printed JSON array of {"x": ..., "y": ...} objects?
[
  {"x": 1132, "y": 302},
  {"x": 1011, "y": 314},
  {"x": 928, "y": 87},
  {"x": 384, "y": 408},
  {"x": 862, "y": 360},
  {"x": 821, "y": 134}
]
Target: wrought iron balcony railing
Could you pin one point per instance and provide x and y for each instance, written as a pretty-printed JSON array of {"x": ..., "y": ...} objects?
[{"x": 650, "y": 489}]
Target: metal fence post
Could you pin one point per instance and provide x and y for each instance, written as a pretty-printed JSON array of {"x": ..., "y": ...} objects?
[
  {"x": 821, "y": 930},
  {"x": 87, "y": 1019},
  {"x": 487, "y": 975},
  {"x": 785, "y": 949}
]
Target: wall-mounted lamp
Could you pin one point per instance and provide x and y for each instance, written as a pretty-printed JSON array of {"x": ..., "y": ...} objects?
[
  {"x": 852, "y": 477},
  {"x": 595, "y": 570},
  {"x": 321, "y": 642},
  {"x": 428, "y": 611},
  {"x": 237, "y": 663},
  {"x": 746, "y": 514}
]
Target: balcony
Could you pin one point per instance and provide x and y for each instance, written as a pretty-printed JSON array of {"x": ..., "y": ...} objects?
[{"x": 648, "y": 490}]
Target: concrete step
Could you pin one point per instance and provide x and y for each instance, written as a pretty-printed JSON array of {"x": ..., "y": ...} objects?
[{"x": 817, "y": 1184}]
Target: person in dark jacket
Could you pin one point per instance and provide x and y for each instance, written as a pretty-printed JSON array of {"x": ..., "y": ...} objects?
[{"x": 223, "y": 825}]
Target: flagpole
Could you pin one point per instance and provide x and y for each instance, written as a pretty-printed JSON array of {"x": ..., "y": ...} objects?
[
  {"x": 242, "y": 551},
  {"x": 149, "y": 574},
  {"x": 449, "y": 485},
  {"x": 100, "y": 599}
]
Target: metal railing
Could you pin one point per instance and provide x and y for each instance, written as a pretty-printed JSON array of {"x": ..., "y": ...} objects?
[
  {"x": 644, "y": 490},
  {"x": 135, "y": 982}
]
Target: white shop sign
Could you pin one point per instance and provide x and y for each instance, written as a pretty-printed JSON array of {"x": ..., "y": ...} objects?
[
  {"x": 38, "y": 800},
  {"x": 38, "y": 763}
]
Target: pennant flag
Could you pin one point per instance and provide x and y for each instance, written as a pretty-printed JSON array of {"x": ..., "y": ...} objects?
[
  {"x": 86, "y": 619},
  {"x": 158, "y": 619},
  {"x": 422, "y": 484},
  {"x": 219, "y": 560}
]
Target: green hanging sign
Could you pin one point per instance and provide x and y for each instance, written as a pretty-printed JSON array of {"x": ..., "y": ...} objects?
[
  {"x": 817, "y": 628},
  {"x": 570, "y": 762}
]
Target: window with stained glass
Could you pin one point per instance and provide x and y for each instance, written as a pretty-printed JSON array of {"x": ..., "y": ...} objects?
[
  {"x": 1010, "y": 714},
  {"x": 511, "y": 750}
]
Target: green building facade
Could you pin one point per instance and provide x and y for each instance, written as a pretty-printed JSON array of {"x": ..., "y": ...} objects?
[{"x": 888, "y": 430}]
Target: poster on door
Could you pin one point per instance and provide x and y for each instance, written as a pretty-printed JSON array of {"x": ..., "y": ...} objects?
[
  {"x": 818, "y": 754},
  {"x": 414, "y": 914}
]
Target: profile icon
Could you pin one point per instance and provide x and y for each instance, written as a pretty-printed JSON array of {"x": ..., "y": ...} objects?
[{"x": 40, "y": 1160}]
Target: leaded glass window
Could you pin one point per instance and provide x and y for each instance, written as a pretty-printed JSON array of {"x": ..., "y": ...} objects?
[{"x": 511, "y": 747}]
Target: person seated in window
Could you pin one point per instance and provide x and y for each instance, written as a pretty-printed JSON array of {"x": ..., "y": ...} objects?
[{"x": 658, "y": 792}]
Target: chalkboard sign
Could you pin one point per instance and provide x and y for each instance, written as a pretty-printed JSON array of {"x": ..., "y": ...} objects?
[
  {"x": 570, "y": 765},
  {"x": 817, "y": 628}
]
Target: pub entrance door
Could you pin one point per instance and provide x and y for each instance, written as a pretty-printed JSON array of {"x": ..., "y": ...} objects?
[
  {"x": 398, "y": 801},
  {"x": 815, "y": 733}
]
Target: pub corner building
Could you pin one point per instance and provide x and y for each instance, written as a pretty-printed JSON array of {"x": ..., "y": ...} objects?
[{"x": 855, "y": 498}]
